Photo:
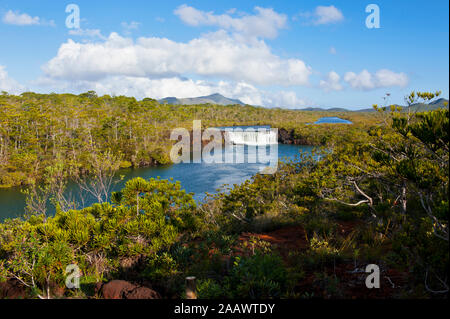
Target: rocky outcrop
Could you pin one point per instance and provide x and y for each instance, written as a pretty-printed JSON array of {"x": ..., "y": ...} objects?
[
  {"x": 121, "y": 289},
  {"x": 289, "y": 137}
]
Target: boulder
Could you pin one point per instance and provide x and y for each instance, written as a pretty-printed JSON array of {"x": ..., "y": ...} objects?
[
  {"x": 116, "y": 289},
  {"x": 121, "y": 289},
  {"x": 142, "y": 293}
]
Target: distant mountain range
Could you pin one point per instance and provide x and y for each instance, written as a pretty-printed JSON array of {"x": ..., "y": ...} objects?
[
  {"x": 222, "y": 100},
  {"x": 421, "y": 107},
  {"x": 418, "y": 107},
  {"x": 318, "y": 109},
  {"x": 210, "y": 99}
]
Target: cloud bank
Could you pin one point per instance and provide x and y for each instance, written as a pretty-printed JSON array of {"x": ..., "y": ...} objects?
[{"x": 215, "y": 55}]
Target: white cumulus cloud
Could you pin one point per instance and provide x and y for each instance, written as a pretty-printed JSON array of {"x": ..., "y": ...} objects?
[
  {"x": 213, "y": 55},
  {"x": 382, "y": 78},
  {"x": 321, "y": 15},
  {"x": 386, "y": 78},
  {"x": 265, "y": 23},
  {"x": 326, "y": 15},
  {"x": 332, "y": 82}
]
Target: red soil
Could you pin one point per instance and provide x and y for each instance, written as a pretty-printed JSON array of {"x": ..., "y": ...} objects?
[
  {"x": 287, "y": 238},
  {"x": 351, "y": 283}
]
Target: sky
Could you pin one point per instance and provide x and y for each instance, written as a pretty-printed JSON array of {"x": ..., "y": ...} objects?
[{"x": 290, "y": 54}]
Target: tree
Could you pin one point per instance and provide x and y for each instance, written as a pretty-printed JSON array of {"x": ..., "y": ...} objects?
[
  {"x": 401, "y": 173},
  {"x": 102, "y": 169}
]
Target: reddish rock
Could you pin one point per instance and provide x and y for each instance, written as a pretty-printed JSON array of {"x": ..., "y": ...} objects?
[
  {"x": 116, "y": 289},
  {"x": 142, "y": 293},
  {"x": 121, "y": 289}
]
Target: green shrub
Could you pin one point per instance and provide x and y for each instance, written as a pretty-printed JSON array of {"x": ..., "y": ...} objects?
[
  {"x": 209, "y": 289},
  {"x": 258, "y": 276}
]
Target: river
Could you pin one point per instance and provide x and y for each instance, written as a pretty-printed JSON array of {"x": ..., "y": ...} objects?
[{"x": 196, "y": 178}]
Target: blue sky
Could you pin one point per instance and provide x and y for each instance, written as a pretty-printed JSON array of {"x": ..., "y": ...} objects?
[{"x": 273, "y": 53}]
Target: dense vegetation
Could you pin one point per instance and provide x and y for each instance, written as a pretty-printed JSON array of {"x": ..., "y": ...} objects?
[
  {"x": 378, "y": 194},
  {"x": 38, "y": 131}
]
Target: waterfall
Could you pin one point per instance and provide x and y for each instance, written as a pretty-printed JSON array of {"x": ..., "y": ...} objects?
[{"x": 252, "y": 137}]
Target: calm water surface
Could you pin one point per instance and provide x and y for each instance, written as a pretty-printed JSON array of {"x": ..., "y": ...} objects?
[
  {"x": 196, "y": 178},
  {"x": 332, "y": 120}
]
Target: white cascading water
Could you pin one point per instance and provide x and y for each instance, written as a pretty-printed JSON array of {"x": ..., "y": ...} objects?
[{"x": 265, "y": 137}]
